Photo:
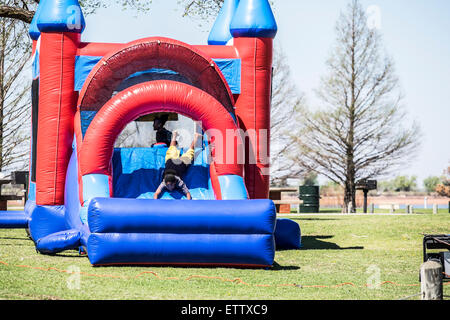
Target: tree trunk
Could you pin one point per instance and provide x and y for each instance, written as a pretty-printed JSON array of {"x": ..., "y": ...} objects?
[
  {"x": 16, "y": 13},
  {"x": 350, "y": 178},
  {"x": 349, "y": 197},
  {"x": 350, "y": 185}
]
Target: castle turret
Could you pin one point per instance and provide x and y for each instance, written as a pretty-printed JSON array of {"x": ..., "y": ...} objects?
[
  {"x": 220, "y": 32},
  {"x": 253, "y": 28},
  {"x": 33, "y": 30},
  {"x": 61, "y": 16},
  {"x": 60, "y": 23},
  {"x": 254, "y": 19}
]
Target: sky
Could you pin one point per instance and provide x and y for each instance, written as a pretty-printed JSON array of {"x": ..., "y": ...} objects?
[{"x": 415, "y": 33}]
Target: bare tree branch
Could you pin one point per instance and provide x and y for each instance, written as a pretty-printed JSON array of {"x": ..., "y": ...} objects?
[{"x": 18, "y": 13}]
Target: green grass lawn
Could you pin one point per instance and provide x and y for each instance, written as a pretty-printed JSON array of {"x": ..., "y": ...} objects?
[
  {"x": 340, "y": 256},
  {"x": 400, "y": 211}
]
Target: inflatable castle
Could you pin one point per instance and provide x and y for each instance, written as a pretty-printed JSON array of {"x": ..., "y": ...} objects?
[{"x": 85, "y": 194}]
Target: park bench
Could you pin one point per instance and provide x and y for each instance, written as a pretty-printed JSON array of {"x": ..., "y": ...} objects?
[
  {"x": 17, "y": 178},
  {"x": 283, "y": 205}
]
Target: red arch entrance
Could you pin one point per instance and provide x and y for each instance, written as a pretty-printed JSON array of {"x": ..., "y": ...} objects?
[
  {"x": 97, "y": 146},
  {"x": 144, "y": 54}
]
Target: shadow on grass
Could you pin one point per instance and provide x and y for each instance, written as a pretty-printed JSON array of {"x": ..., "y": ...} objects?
[
  {"x": 278, "y": 267},
  {"x": 67, "y": 254},
  {"x": 14, "y": 238},
  {"x": 313, "y": 219},
  {"x": 330, "y": 210},
  {"x": 315, "y": 243}
]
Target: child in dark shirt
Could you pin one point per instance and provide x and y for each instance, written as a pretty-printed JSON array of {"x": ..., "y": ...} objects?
[{"x": 162, "y": 134}]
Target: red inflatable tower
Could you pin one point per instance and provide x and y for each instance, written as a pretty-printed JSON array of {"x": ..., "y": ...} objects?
[
  {"x": 253, "y": 27},
  {"x": 59, "y": 41}
]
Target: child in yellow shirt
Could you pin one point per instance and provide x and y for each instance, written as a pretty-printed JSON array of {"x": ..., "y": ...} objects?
[{"x": 176, "y": 167}]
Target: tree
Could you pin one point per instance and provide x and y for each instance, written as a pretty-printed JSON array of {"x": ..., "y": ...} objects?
[
  {"x": 385, "y": 186},
  {"x": 200, "y": 8},
  {"x": 431, "y": 183},
  {"x": 310, "y": 179},
  {"x": 443, "y": 189},
  {"x": 15, "y": 50},
  {"x": 405, "y": 183},
  {"x": 359, "y": 134},
  {"x": 286, "y": 102}
]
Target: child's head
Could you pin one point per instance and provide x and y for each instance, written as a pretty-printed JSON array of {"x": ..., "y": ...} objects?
[
  {"x": 170, "y": 181},
  {"x": 159, "y": 122}
]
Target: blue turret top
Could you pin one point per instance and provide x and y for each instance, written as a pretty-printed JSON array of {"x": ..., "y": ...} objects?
[
  {"x": 220, "y": 32},
  {"x": 33, "y": 30},
  {"x": 254, "y": 19},
  {"x": 60, "y": 16}
]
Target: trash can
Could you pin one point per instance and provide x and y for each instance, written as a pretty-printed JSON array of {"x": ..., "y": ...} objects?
[{"x": 311, "y": 198}]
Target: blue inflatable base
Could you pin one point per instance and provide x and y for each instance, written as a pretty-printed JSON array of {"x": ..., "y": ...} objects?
[
  {"x": 181, "y": 232},
  {"x": 185, "y": 249},
  {"x": 287, "y": 235},
  {"x": 13, "y": 220}
]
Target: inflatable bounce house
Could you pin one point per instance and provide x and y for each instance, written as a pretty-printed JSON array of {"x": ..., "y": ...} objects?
[{"x": 87, "y": 195}]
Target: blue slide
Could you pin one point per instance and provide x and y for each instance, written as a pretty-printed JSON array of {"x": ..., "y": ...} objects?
[{"x": 139, "y": 171}]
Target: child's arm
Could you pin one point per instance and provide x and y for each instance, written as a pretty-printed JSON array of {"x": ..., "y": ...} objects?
[
  {"x": 173, "y": 142},
  {"x": 158, "y": 191},
  {"x": 185, "y": 189}
]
